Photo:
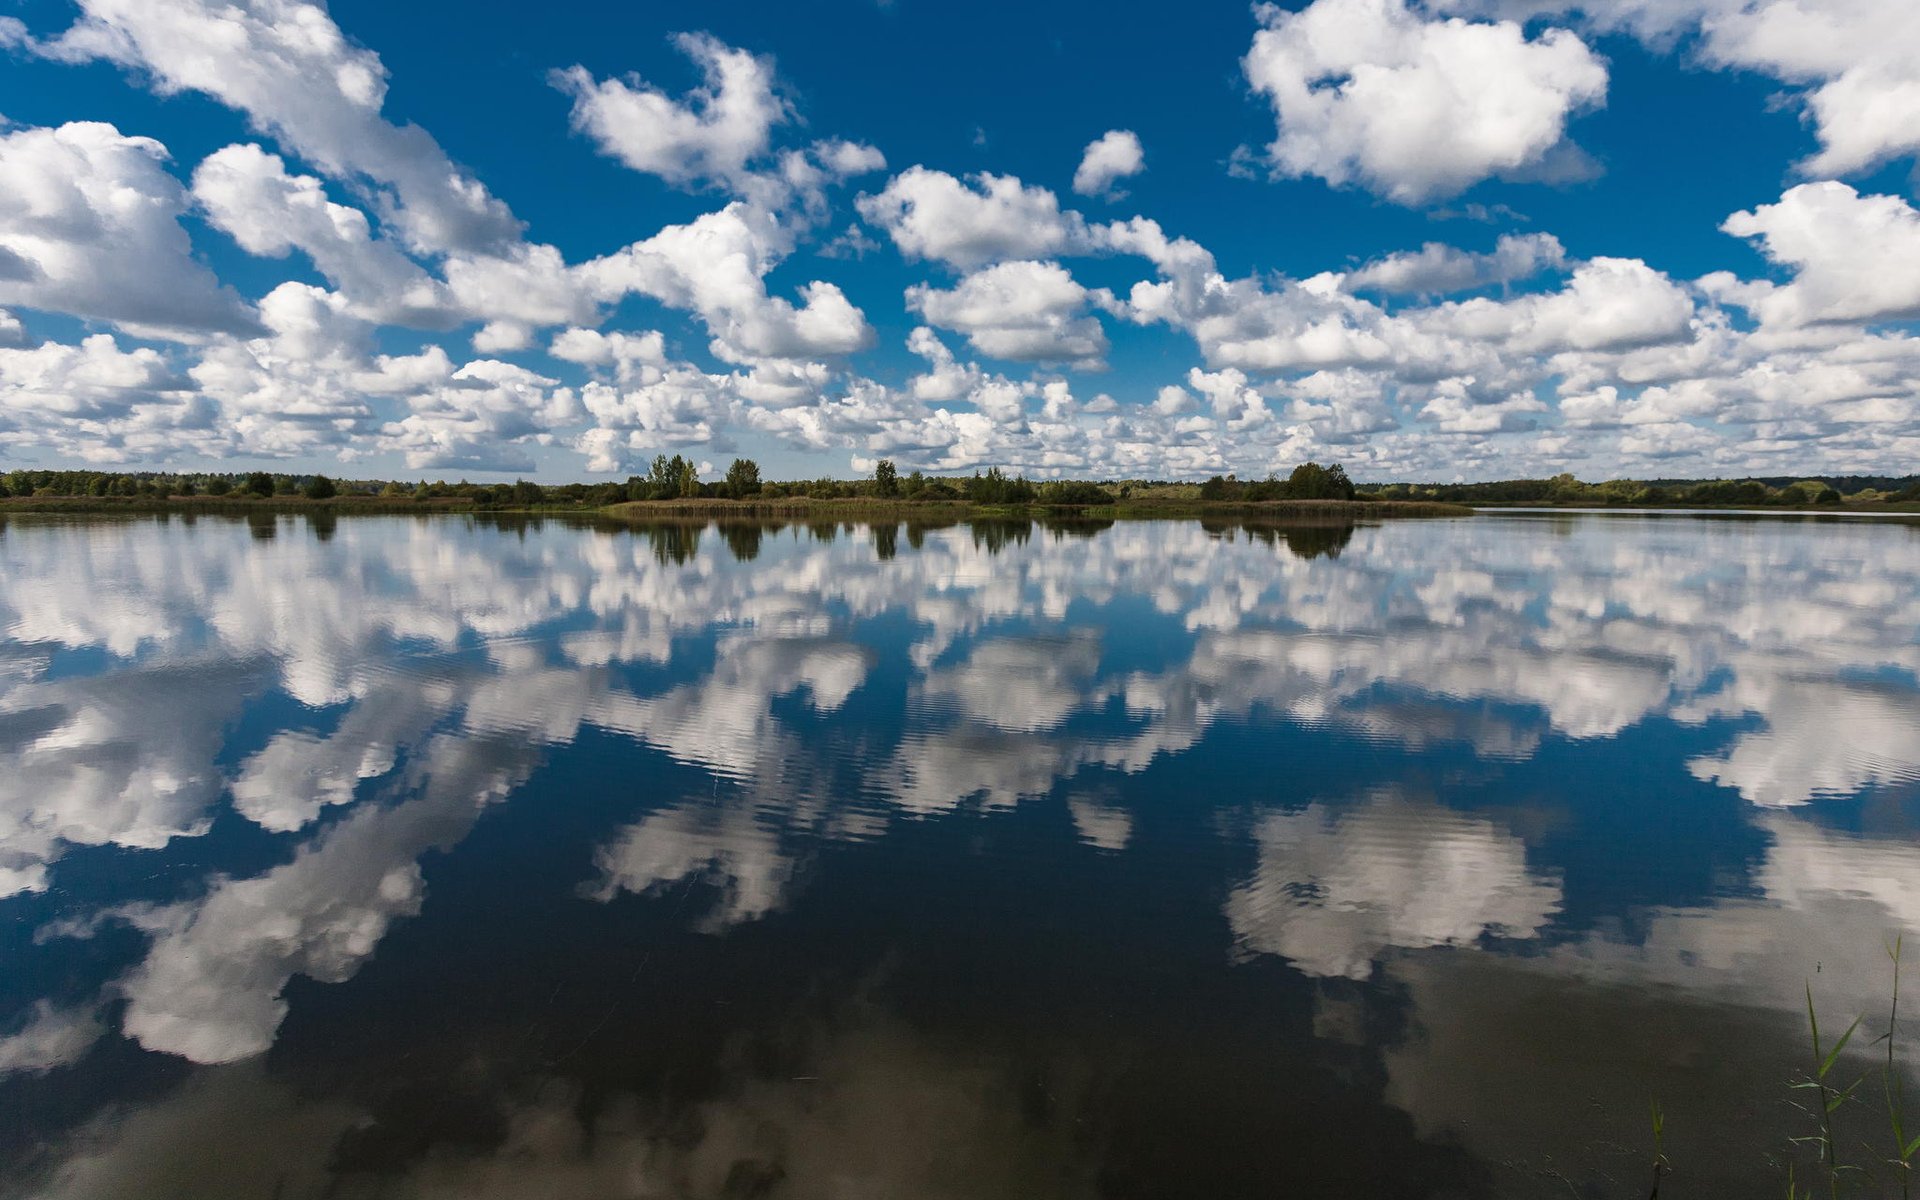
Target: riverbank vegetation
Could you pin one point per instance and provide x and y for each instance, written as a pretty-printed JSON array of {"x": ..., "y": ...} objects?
[
  {"x": 674, "y": 483},
  {"x": 1865, "y": 492}
]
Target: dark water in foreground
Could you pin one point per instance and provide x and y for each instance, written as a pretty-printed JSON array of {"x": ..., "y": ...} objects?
[{"x": 425, "y": 858}]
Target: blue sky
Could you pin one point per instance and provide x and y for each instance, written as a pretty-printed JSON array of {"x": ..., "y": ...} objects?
[{"x": 1460, "y": 238}]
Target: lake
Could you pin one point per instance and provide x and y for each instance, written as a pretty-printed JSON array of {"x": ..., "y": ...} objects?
[{"x": 439, "y": 857}]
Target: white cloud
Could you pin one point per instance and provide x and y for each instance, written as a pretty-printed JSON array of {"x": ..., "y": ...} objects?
[
  {"x": 1854, "y": 257},
  {"x": 1855, "y": 59},
  {"x": 289, "y": 68},
  {"x": 248, "y": 194},
  {"x": 1437, "y": 269},
  {"x": 932, "y": 215},
  {"x": 713, "y": 135},
  {"x": 1369, "y": 92},
  {"x": 716, "y": 266},
  {"x": 636, "y": 358},
  {"x": 90, "y": 225},
  {"x": 298, "y": 388},
  {"x": 1113, "y": 156},
  {"x": 482, "y": 418},
  {"x": 1024, "y": 311},
  {"x": 1607, "y": 304},
  {"x": 1860, "y": 58}
]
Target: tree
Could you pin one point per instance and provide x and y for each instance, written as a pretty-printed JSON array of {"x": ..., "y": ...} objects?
[
  {"x": 886, "y": 480},
  {"x": 686, "y": 477},
  {"x": 1220, "y": 487},
  {"x": 995, "y": 488},
  {"x": 743, "y": 478},
  {"x": 218, "y": 485},
  {"x": 1311, "y": 481},
  {"x": 672, "y": 478},
  {"x": 321, "y": 488},
  {"x": 259, "y": 484}
]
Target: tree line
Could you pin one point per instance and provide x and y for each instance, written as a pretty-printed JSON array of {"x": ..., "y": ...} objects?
[
  {"x": 1777, "y": 491},
  {"x": 676, "y": 477}
]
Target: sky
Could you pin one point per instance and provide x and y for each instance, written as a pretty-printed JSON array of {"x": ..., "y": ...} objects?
[{"x": 1428, "y": 239}]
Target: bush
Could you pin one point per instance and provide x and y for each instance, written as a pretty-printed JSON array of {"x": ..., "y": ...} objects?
[{"x": 321, "y": 488}]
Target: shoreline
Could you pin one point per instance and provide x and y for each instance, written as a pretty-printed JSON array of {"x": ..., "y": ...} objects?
[
  {"x": 644, "y": 510},
  {"x": 787, "y": 508}
]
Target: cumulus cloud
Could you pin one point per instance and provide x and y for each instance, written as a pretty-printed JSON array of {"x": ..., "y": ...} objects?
[
  {"x": 1025, "y": 311},
  {"x": 712, "y": 135},
  {"x": 1853, "y": 257},
  {"x": 1438, "y": 269},
  {"x": 716, "y": 266},
  {"x": 249, "y": 194},
  {"x": 1607, "y": 304},
  {"x": 482, "y": 418},
  {"x": 1548, "y": 362},
  {"x": 932, "y": 215},
  {"x": 1853, "y": 60},
  {"x": 296, "y": 76},
  {"x": 1857, "y": 59},
  {"x": 1371, "y": 92},
  {"x": 90, "y": 225},
  {"x": 1113, "y": 156}
]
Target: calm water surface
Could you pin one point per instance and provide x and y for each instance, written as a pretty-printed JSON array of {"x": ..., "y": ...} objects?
[{"x": 437, "y": 858}]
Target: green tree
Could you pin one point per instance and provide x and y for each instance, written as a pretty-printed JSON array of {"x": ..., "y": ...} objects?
[
  {"x": 743, "y": 478},
  {"x": 1220, "y": 487},
  {"x": 886, "y": 479},
  {"x": 1311, "y": 481},
  {"x": 672, "y": 478},
  {"x": 260, "y": 484},
  {"x": 995, "y": 487},
  {"x": 321, "y": 488},
  {"x": 218, "y": 485}
]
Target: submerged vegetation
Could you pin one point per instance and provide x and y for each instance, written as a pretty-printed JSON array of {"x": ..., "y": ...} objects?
[{"x": 1860, "y": 1139}]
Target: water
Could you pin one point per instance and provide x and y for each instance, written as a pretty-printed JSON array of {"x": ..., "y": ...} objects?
[{"x": 434, "y": 858}]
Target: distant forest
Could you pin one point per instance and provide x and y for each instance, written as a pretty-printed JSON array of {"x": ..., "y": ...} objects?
[{"x": 676, "y": 479}]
